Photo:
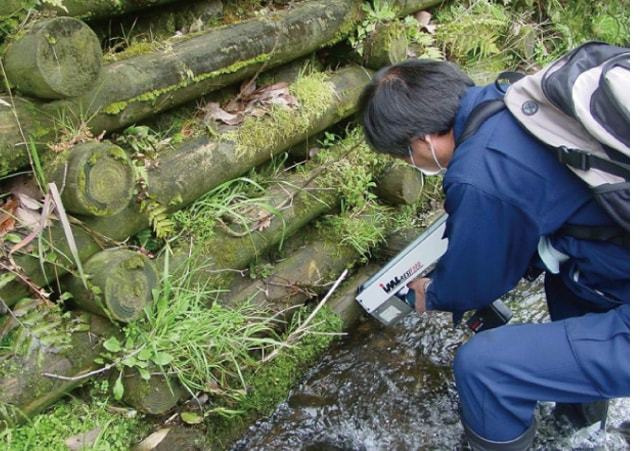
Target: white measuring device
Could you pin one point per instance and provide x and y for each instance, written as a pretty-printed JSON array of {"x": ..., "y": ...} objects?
[{"x": 379, "y": 295}]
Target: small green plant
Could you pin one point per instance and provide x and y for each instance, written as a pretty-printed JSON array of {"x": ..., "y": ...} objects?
[
  {"x": 473, "y": 32},
  {"x": 421, "y": 43},
  {"x": 361, "y": 231},
  {"x": 328, "y": 139},
  {"x": 77, "y": 420},
  {"x": 33, "y": 328},
  {"x": 352, "y": 174},
  {"x": 376, "y": 11}
]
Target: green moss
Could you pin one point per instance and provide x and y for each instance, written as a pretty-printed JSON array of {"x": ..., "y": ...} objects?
[
  {"x": 50, "y": 430},
  {"x": 135, "y": 49},
  {"x": 115, "y": 108},
  {"x": 314, "y": 94},
  {"x": 151, "y": 96}
]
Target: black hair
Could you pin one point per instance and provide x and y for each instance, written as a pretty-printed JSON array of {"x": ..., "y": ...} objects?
[{"x": 408, "y": 100}]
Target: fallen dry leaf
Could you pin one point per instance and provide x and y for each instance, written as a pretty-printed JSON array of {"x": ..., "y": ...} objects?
[
  {"x": 28, "y": 218},
  {"x": 264, "y": 221},
  {"x": 7, "y": 215},
  {"x": 213, "y": 112},
  {"x": 83, "y": 441},
  {"x": 153, "y": 440},
  {"x": 27, "y": 201},
  {"x": 424, "y": 18},
  {"x": 250, "y": 101}
]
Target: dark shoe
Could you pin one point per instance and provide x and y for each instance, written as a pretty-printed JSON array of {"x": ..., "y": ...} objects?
[
  {"x": 583, "y": 415},
  {"x": 521, "y": 443}
]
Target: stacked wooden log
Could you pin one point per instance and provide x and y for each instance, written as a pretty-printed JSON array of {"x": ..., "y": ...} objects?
[{"x": 64, "y": 106}]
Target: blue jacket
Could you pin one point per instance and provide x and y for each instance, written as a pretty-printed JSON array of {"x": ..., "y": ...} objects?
[{"x": 504, "y": 191}]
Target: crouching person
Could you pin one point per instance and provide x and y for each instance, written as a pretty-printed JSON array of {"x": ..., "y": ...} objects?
[{"x": 508, "y": 197}]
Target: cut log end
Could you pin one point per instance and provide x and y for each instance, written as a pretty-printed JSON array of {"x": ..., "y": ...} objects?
[
  {"x": 156, "y": 396},
  {"x": 386, "y": 45},
  {"x": 98, "y": 179},
  {"x": 120, "y": 285},
  {"x": 400, "y": 185},
  {"x": 55, "y": 59}
]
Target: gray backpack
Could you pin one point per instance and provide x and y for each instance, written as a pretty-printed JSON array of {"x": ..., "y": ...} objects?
[{"x": 578, "y": 106}]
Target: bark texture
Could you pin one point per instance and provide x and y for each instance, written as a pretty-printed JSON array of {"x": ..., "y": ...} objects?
[
  {"x": 83, "y": 9},
  {"x": 24, "y": 386}
]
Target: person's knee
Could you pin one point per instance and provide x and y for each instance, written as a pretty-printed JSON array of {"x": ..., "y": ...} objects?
[{"x": 470, "y": 362}]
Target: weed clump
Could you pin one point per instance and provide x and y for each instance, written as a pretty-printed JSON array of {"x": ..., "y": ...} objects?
[
  {"x": 487, "y": 37},
  {"x": 113, "y": 431}
]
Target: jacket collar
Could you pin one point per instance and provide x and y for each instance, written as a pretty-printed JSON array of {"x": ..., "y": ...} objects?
[{"x": 472, "y": 96}]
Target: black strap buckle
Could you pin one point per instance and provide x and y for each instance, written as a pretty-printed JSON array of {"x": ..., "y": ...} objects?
[{"x": 575, "y": 158}]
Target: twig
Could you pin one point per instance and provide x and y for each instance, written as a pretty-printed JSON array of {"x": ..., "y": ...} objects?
[
  {"x": 304, "y": 326},
  {"x": 91, "y": 373},
  {"x": 35, "y": 289}
]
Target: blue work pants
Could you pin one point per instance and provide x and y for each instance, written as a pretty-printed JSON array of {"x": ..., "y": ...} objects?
[{"x": 581, "y": 356}]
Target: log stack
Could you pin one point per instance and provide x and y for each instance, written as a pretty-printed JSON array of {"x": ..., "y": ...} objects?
[{"x": 63, "y": 108}]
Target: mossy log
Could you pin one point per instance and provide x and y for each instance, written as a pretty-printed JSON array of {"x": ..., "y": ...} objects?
[
  {"x": 162, "y": 22},
  {"x": 95, "y": 178},
  {"x": 24, "y": 388},
  {"x": 180, "y": 177},
  {"x": 386, "y": 45},
  {"x": 119, "y": 285},
  {"x": 303, "y": 275},
  {"x": 155, "y": 396},
  {"x": 56, "y": 58},
  {"x": 400, "y": 185},
  {"x": 215, "y": 259},
  {"x": 133, "y": 89},
  {"x": 83, "y": 9}
]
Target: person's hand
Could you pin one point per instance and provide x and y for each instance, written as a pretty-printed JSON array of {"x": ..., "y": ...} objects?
[{"x": 418, "y": 286}]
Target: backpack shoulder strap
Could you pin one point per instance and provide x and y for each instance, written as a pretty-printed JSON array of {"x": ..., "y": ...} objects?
[
  {"x": 611, "y": 234},
  {"x": 580, "y": 159},
  {"x": 484, "y": 110},
  {"x": 480, "y": 113}
]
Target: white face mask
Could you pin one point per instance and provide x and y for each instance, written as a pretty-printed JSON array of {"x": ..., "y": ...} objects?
[{"x": 428, "y": 172}]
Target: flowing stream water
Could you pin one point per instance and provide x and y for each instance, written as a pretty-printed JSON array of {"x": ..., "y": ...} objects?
[{"x": 392, "y": 389}]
